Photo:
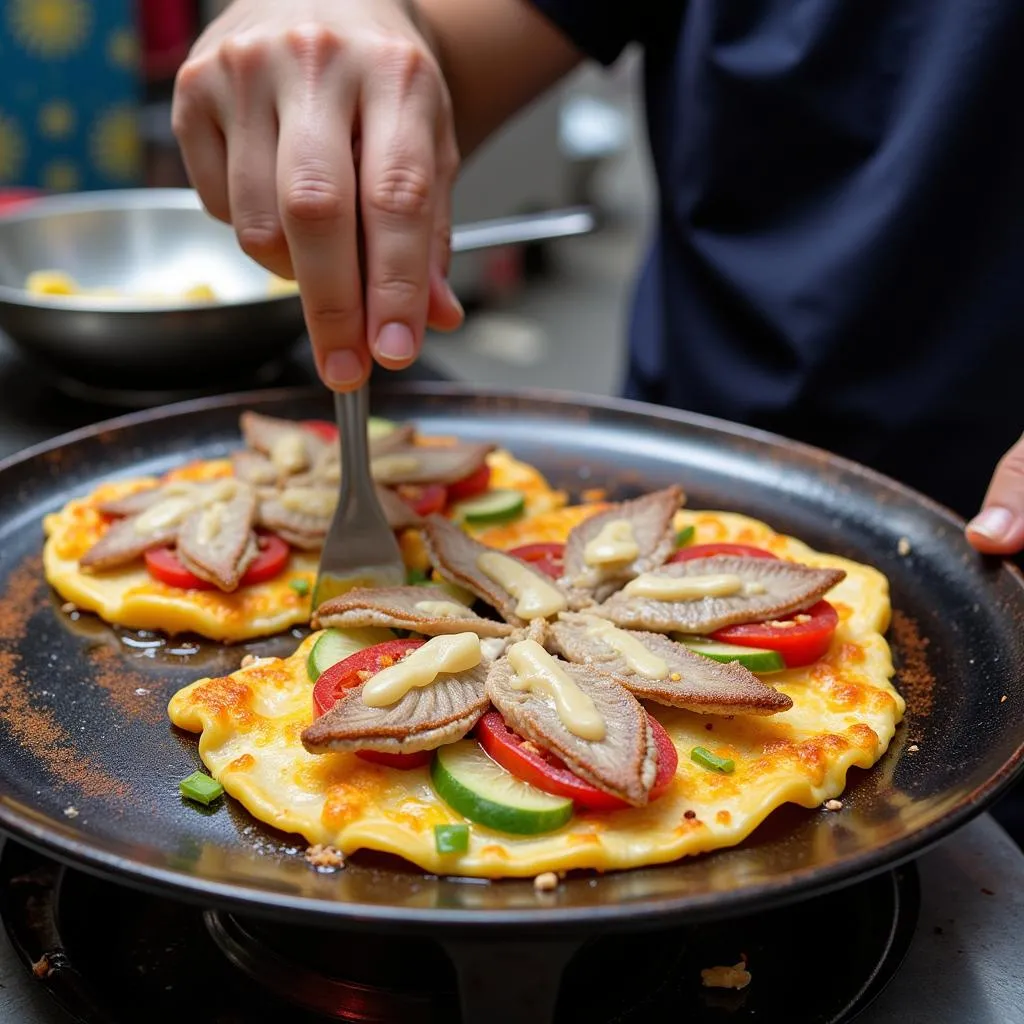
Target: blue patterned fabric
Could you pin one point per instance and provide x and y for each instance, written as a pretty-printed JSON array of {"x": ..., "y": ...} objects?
[{"x": 69, "y": 94}]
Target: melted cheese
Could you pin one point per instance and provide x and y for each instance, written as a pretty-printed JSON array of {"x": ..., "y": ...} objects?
[
  {"x": 210, "y": 523},
  {"x": 288, "y": 452},
  {"x": 684, "y": 588},
  {"x": 844, "y": 713},
  {"x": 537, "y": 599},
  {"x": 310, "y": 501},
  {"x": 163, "y": 515},
  {"x": 458, "y": 652},
  {"x": 639, "y": 659},
  {"x": 386, "y": 469},
  {"x": 614, "y": 544},
  {"x": 536, "y": 671},
  {"x": 441, "y": 609}
]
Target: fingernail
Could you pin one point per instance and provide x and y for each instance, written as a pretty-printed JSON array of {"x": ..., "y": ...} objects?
[
  {"x": 995, "y": 523},
  {"x": 343, "y": 368},
  {"x": 395, "y": 341},
  {"x": 455, "y": 299}
]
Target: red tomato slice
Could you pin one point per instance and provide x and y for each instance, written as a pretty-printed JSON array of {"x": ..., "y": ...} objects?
[
  {"x": 164, "y": 565},
  {"x": 470, "y": 486},
  {"x": 547, "y": 772},
  {"x": 402, "y": 761},
  {"x": 707, "y": 550},
  {"x": 271, "y": 560},
  {"x": 324, "y": 429},
  {"x": 424, "y": 499},
  {"x": 347, "y": 673},
  {"x": 800, "y": 644},
  {"x": 549, "y": 558}
]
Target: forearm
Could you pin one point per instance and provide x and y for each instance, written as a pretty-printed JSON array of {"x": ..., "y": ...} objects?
[{"x": 496, "y": 55}]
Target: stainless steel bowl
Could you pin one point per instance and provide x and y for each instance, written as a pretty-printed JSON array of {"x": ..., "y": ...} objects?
[
  {"x": 161, "y": 240},
  {"x": 139, "y": 240}
]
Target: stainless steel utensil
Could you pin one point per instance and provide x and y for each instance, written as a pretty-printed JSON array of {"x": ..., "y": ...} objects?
[
  {"x": 161, "y": 240},
  {"x": 360, "y": 548}
]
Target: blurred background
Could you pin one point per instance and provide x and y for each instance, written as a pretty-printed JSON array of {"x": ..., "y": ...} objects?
[{"x": 85, "y": 90}]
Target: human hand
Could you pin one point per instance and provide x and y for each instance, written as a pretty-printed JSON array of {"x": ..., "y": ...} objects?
[
  {"x": 999, "y": 528},
  {"x": 322, "y": 131}
]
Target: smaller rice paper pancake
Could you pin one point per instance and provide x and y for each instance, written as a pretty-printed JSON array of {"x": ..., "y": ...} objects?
[
  {"x": 845, "y": 711},
  {"x": 130, "y": 597}
]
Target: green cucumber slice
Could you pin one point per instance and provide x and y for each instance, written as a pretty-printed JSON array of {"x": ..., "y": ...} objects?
[
  {"x": 334, "y": 645},
  {"x": 377, "y": 428},
  {"x": 480, "y": 789},
  {"x": 757, "y": 659},
  {"x": 498, "y": 506}
]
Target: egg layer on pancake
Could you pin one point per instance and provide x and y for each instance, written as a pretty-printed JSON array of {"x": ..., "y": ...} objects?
[
  {"x": 130, "y": 597},
  {"x": 844, "y": 713}
]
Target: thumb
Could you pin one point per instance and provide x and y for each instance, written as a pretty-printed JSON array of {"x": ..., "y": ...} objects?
[{"x": 999, "y": 528}]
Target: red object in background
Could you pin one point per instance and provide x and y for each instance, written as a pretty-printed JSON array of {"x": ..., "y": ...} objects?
[
  {"x": 167, "y": 29},
  {"x": 12, "y": 197}
]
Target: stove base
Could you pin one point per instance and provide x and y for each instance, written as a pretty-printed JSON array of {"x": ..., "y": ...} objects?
[{"x": 107, "y": 953}]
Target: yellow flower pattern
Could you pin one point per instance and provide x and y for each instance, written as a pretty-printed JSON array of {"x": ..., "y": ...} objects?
[
  {"x": 56, "y": 119},
  {"x": 61, "y": 176},
  {"x": 115, "y": 143},
  {"x": 50, "y": 28},
  {"x": 70, "y": 86},
  {"x": 123, "y": 48}
]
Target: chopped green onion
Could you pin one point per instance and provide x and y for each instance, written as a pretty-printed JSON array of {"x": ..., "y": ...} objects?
[
  {"x": 704, "y": 757},
  {"x": 416, "y": 577},
  {"x": 201, "y": 787},
  {"x": 684, "y": 536},
  {"x": 451, "y": 838},
  {"x": 301, "y": 587}
]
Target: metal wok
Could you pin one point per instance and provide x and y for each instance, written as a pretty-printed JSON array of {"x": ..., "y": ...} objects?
[{"x": 90, "y": 764}]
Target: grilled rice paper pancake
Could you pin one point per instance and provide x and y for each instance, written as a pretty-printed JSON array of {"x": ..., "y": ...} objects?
[
  {"x": 422, "y": 609},
  {"x": 765, "y": 589},
  {"x": 844, "y": 713},
  {"x": 648, "y": 522},
  {"x": 623, "y": 762},
  {"x": 689, "y": 680},
  {"x": 423, "y": 719},
  {"x": 94, "y": 545}
]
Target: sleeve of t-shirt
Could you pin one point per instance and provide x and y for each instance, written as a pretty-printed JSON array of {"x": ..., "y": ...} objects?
[{"x": 600, "y": 28}]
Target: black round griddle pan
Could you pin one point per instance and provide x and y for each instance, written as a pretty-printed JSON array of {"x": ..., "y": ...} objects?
[{"x": 91, "y": 766}]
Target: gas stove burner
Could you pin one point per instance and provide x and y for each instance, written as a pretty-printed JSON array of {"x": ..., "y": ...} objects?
[
  {"x": 108, "y": 954},
  {"x": 399, "y": 979}
]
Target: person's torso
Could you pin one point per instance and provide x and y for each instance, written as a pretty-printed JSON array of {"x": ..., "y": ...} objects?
[{"x": 841, "y": 246}]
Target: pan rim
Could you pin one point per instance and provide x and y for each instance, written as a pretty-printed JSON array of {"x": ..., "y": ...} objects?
[{"x": 693, "y": 906}]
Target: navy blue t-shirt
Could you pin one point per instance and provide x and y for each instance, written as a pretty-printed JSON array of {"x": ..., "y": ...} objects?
[{"x": 839, "y": 253}]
